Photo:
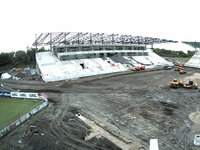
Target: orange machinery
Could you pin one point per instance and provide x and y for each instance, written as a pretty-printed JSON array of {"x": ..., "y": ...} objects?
[
  {"x": 142, "y": 67},
  {"x": 176, "y": 83},
  {"x": 191, "y": 85},
  {"x": 182, "y": 71}
]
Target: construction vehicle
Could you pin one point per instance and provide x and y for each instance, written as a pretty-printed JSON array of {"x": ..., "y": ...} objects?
[
  {"x": 180, "y": 65},
  {"x": 191, "y": 85},
  {"x": 178, "y": 68},
  {"x": 18, "y": 69},
  {"x": 176, "y": 83},
  {"x": 182, "y": 71},
  {"x": 136, "y": 69},
  {"x": 142, "y": 67},
  {"x": 167, "y": 67}
]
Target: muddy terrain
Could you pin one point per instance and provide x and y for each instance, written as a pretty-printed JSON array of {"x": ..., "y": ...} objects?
[{"x": 120, "y": 112}]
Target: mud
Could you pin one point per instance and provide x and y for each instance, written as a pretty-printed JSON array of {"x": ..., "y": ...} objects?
[{"x": 131, "y": 108}]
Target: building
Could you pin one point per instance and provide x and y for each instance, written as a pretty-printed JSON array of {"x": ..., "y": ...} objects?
[{"x": 84, "y": 55}]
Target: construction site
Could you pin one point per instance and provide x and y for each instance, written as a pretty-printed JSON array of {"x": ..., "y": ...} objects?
[{"x": 109, "y": 92}]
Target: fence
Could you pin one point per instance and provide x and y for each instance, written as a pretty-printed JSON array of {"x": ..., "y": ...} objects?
[{"x": 22, "y": 117}]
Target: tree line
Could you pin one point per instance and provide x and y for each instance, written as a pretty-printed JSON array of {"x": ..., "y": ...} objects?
[
  {"x": 28, "y": 57},
  {"x": 169, "y": 53},
  {"x": 193, "y": 44},
  {"x": 19, "y": 57}
]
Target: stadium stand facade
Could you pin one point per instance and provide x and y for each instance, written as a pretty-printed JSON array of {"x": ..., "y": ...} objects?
[
  {"x": 194, "y": 61},
  {"x": 74, "y": 55},
  {"x": 75, "y": 61}
]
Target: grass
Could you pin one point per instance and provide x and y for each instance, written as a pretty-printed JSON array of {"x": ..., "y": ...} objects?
[
  {"x": 182, "y": 59},
  {"x": 11, "y": 107}
]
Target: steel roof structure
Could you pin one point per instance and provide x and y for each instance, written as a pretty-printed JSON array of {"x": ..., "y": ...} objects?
[{"x": 57, "y": 38}]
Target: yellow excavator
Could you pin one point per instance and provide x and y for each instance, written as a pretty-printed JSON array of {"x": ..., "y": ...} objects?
[
  {"x": 190, "y": 85},
  {"x": 179, "y": 67},
  {"x": 182, "y": 71},
  {"x": 176, "y": 83}
]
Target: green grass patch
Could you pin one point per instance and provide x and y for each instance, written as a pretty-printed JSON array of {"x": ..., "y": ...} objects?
[
  {"x": 11, "y": 107},
  {"x": 182, "y": 59}
]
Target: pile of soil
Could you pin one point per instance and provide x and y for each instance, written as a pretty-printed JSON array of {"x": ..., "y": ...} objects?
[
  {"x": 195, "y": 117},
  {"x": 20, "y": 75},
  {"x": 195, "y": 77},
  {"x": 34, "y": 78},
  {"x": 66, "y": 132},
  {"x": 29, "y": 77}
]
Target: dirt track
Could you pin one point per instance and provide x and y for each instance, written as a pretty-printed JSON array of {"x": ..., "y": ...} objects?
[{"x": 131, "y": 108}]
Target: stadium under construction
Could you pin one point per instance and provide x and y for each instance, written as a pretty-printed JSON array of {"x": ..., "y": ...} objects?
[
  {"x": 75, "y": 55},
  {"x": 119, "y": 109}
]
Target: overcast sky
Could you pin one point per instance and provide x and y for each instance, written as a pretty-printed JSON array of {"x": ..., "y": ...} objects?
[{"x": 170, "y": 19}]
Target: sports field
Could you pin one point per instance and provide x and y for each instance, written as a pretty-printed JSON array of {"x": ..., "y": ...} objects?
[{"x": 11, "y": 107}]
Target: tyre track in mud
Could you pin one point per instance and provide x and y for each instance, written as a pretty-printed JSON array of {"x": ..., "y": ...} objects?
[
  {"x": 141, "y": 134},
  {"x": 154, "y": 96},
  {"x": 175, "y": 96},
  {"x": 157, "y": 91},
  {"x": 59, "y": 127}
]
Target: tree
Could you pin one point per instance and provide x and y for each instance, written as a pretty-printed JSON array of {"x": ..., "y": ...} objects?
[
  {"x": 21, "y": 57},
  {"x": 42, "y": 49},
  {"x": 4, "y": 59},
  {"x": 31, "y": 55}
]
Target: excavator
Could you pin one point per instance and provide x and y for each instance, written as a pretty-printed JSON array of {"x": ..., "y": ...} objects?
[
  {"x": 179, "y": 67},
  {"x": 176, "y": 83},
  {"x": 182, "y": 71},
  {"x": 190, "y": 85}
]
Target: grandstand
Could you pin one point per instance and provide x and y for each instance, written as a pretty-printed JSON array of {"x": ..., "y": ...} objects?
[
  {"x": 75, "y": 55},
  {"x": 194, "y": 61}
]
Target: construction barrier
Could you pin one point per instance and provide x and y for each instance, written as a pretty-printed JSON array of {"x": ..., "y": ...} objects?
[
  {"x": 24, "y": 95},
  {"x": 5, "y": 94},
  {"x": 17, "y": 120}
]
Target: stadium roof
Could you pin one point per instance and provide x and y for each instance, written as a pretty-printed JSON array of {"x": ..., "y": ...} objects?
[{"x": 57, "y": 38}]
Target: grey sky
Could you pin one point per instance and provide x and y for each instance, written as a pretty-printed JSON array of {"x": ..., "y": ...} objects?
[{"x": 170, "y": 19}]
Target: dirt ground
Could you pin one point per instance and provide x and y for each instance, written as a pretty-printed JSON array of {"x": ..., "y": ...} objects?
[{"x": 121, "y": 112}]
